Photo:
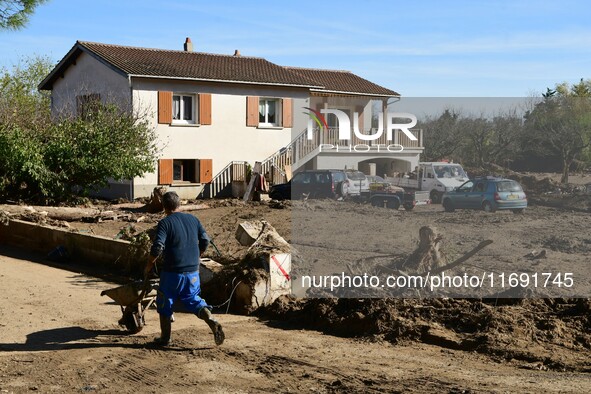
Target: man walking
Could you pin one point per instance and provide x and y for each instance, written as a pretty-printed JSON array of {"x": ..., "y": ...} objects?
[{"x": 181, "y": 237}]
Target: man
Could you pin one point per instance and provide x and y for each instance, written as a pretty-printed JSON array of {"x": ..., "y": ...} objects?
[{"x": 181, "y": 237}]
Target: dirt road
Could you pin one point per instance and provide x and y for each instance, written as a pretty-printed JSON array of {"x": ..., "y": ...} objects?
[{"x": 58, "y": 335}]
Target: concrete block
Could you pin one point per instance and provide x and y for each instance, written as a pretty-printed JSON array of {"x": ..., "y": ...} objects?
[{"x": 208, "y": 269}]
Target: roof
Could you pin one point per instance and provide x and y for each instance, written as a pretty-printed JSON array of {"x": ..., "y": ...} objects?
[
  {"x": 198, "y": 66},
  {"x": 341, "y": 81}
]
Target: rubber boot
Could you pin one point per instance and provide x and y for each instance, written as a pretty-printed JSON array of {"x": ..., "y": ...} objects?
[
  {"x": 214, "y": 325},
  {"x": 165, "y": 329}
]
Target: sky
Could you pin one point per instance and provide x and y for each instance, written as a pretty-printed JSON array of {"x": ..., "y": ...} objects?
[{"x": 496, "y": 48}]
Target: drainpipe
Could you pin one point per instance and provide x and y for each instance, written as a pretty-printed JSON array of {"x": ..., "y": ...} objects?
[{"x": 131, "y": 197}]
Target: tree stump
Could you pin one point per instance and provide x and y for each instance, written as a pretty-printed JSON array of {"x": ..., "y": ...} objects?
[
  {"x": 427, "y": 255},
  {"x": 155, "y": 204}
]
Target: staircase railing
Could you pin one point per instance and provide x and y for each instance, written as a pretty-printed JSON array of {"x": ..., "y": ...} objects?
[{"x": 221, "y": 185}]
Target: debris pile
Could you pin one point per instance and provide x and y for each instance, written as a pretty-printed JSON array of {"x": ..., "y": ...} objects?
[{"x": 550, "y": 331}]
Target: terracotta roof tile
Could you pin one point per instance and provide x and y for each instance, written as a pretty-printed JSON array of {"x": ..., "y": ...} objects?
[
  {"x": 342, "y": 81},
  {"x": 148, "y": 62},
  {"x": 195, "y": 65}
]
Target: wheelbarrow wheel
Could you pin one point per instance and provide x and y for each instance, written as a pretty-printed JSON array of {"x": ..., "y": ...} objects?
[{"x": 132, "y": 320}]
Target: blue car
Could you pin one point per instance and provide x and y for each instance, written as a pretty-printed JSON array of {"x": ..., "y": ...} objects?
[{"x": 489, "y": 194}]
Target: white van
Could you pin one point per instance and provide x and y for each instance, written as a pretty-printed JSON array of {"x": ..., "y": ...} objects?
[{"x": 434, "y": 177}]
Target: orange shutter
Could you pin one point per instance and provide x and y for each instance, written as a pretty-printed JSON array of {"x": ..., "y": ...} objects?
[
  {"x": 165, "y": 107},
  {"x": 165, "y": 171},
  {"x": 205, "y": 170},
  {"x": 205, "y": 108},
  {"x": 252, "y": 111},
  {"x": 286, "y": 108}
]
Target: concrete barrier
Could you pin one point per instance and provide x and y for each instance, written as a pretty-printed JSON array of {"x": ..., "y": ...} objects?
[{"x": 83, "y": 248}]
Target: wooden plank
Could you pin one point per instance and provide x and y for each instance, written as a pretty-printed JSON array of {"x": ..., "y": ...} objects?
[
  {"x": 287, "y": 170},
  {"x": 256, "y": 171}
]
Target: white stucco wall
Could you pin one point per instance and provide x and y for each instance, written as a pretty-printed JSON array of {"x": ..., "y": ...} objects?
[
  {"x": 401, "y": 161},
  {"x": 88, "y": 76},
  {"x": 227, "y": 139}
]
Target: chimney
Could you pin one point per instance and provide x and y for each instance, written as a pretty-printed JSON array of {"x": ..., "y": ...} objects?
[
  {"x": 188, "y": 45},
  {"x": 236, "y": 52}
]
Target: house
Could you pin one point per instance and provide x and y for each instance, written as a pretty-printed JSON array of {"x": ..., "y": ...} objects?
[{"x": 214, "y": 113}]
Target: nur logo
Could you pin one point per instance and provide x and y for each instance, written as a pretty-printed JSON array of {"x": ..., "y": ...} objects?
[{"x": 344, "y": 124}]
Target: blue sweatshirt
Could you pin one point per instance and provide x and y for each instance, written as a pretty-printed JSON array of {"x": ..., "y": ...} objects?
[{"x": 180, "y": 236}]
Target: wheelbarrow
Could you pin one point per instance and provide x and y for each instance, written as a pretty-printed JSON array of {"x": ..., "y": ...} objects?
[{"x": 134, "y": 298}]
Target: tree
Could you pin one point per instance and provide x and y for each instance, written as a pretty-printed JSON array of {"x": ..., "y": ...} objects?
[
  {"x": 50, "y": 162},
  {"x": 442, "y": 135},
  {"x": 560, "y": 125},
  {"x": 20, "y": 101},
  {"x": 14, "y": 14}
]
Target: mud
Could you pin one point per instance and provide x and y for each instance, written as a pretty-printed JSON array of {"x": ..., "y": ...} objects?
[{"x": 320, "y": 344}]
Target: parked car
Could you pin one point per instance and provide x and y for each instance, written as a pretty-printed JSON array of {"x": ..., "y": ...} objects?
[
  {"x": 311, "y": 184},
  {"x": 355, "y": 183},
  {"x": 489, "y": 194}
]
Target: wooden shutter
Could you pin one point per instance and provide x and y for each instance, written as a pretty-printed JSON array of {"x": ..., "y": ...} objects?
[
  {"x": 165, "y": 171},
  {"x": 205, "y": 108},
  {"x": 205, "y": 170},
  {"x": 165, "y": 107},
  {"x": 286, "y": 113},
  {"x": 252, "y": 111}
]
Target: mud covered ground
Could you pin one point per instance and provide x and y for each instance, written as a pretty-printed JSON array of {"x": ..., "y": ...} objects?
[{"x": 63, "y": 337}]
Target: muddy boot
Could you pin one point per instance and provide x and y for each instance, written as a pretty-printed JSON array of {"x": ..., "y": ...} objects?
[
  {"x": 214, "y": 325},
  {"x": 165, "y": 329}
]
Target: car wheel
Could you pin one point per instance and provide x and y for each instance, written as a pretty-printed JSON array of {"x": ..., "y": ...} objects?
[
  {"x": 344, "y": 190},
  {"x": 448, "y": 205},
  {"x": 408, "y": 207},
  {"x": 487, "y": 207},
  {"x": 517, "y": 210},
  {"x": 393, "y": 204},
  {"x": 435, "y": 197}
]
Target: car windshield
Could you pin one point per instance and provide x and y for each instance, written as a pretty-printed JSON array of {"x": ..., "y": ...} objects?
[
  {"x": 356, "y": 175},
  {"x": 509, "y": 186},
  {"x": 449, "y": 171}
]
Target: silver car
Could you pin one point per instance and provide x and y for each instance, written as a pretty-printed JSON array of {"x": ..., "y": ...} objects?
[{"x": 355, "y": 184}]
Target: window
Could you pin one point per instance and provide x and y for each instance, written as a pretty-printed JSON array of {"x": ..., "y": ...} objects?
[
  {"x": 480, "y": 187},
  {"x": 183, "y": 171},
  {"x": 269, "y": 110},
  {"x": 509, "y": 186},
  {"x": 302, "y": 178},
  {"x": 332, "y": 120},
  {"x": 183, "y": 109},
  {"x": 180, "y": 171},
  {"x": 466, "y": 187}
]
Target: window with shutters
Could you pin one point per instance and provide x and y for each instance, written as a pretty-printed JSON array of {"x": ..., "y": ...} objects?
[
  {"x": 183, "y": 109},
  {"x": 184, "y": 171},
  {"x": 269, "y": 112}
]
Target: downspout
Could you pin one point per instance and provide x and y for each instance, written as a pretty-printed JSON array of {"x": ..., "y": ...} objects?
[{"x": 131, "y": 196}]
